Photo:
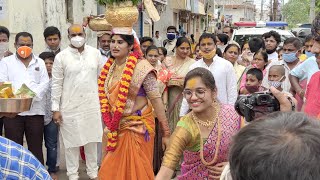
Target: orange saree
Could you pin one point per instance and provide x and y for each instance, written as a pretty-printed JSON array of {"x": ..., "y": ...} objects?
[{"x": 133, "y": 156}]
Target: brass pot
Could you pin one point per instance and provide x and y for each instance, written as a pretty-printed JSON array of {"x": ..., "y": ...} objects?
[
  {"x": 123, "y": 15},
  {"x": 99, "y": 23},
  {"x": 15, "y": 105}
]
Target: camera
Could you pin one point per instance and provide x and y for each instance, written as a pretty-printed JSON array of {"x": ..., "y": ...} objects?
[{"x": 256, "y": 105}]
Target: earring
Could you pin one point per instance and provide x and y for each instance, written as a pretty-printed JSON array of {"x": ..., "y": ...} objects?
[{"x": 214, "y": 102}]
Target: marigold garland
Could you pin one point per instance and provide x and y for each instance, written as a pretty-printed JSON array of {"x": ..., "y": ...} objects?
[{"x": 112, "y": 122}]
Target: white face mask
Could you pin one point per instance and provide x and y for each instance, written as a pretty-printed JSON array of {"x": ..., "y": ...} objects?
[
  {"x": 276, "y": 84},
  {"x": 77, "y": 41},
  {"x": 4, "y": 47}
]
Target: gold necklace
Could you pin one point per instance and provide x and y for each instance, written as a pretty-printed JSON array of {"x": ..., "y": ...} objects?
[
  {"x": 217, "y": 146},
  {"x": 207, "y": 123}
]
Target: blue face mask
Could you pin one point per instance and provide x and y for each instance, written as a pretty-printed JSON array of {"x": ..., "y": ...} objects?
[
  {"x": 309, "y": 54},
  {"x": 289, "y": 57},
  {"x": 171, "y": 36}
]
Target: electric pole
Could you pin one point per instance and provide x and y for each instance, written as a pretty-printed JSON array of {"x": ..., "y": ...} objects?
[
  {"x": 312, "y": 10},
  {"x": 261, "y": 13}
]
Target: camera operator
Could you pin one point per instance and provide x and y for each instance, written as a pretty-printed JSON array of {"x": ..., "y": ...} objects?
[{"x": 258, "y": 104}]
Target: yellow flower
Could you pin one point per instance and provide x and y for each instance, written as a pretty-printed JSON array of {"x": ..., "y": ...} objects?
[
  {"x": 121, "y": 96},
  {"x": 100, "y": 81},
  {"x": 123, "y": 89},
  {"x": 103, "y": 76},
  {"x": 103, "y": 110},
  {"x": 101, "y": 88},
  {"x": 131, "y": 64},
  {"x": 104, "y": 101},
  {"x": 119, "y": 104},
  {"x": 115, "y": 133},
  {"x": 109, "y": 135},
  {"x": 104, "y": 105},
  {"x": 126, "y": 84}
]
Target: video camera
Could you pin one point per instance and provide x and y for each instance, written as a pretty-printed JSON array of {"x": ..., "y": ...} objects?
[{"x": 256, "y": 105}]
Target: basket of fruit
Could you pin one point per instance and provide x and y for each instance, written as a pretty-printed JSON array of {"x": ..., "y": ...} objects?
[{"x": 21, "y": 101}]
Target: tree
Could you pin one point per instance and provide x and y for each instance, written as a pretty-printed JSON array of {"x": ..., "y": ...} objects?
[{"x": 296, "y": 11}]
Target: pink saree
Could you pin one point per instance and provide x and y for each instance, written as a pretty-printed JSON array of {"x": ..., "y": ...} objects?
[{"x": 192, "y": 167}]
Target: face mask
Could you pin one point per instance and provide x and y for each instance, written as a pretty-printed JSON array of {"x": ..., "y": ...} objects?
[
  {"x": 252, "y": 89},
  {"x": 275, "y": 84},
  {"x": 103, "y": 51},
  {"x": 289, "y": 57},
  {"x": 24, "y": 51},
  {"x": 208, "y": 55},
  {"x": 171, "y": 36},
  {"x": 309, "y": 54},
  {"x": 4, "y": 46},
  {"x": 248, "y": 55},
  {"x": 77, "y": 41}
]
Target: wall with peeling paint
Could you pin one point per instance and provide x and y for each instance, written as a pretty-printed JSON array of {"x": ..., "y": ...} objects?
[{"x": 34, "y": 16}]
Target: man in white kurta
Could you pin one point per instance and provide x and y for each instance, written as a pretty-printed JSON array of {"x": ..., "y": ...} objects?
[
  {"x": 222, "y": 70},
  {"x": 75, "y": 101}
]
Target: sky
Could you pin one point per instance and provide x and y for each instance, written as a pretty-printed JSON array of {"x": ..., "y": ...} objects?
[{"x": 258, "y": 2}]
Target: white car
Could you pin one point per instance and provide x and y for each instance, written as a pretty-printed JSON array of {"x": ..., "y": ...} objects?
[{"x": 245, "y": 34}]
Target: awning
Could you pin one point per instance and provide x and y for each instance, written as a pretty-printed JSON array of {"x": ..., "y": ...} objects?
[
  {"x": 198, "y": 7},
  {"x": 181, "y": 4},
  {"x": 151, "y": 9},
  {"x": 165, "y": 2}
]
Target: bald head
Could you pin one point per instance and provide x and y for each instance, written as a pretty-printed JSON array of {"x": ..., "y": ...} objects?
[
  {"x": 75, "y": 29},
  {"x": 277, "y": 73},
  {"x": 278, "y": 68}
]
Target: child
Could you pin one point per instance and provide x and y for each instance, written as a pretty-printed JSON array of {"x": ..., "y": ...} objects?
[
  {"x": 280, "y": 52},
  {"x": 277, "y": 74},
  {"x": 50, "y": 128},
  {"x": 254, "y": 78}
]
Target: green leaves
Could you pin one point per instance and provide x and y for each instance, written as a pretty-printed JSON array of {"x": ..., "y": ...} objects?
[{"x": 297, "y": 11}]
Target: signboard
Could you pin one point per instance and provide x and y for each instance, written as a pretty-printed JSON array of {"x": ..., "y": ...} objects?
[{"x": 161, "y": 1}]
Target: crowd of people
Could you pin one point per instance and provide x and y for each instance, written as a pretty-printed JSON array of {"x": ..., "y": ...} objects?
[{"x": 116, "y": 106}]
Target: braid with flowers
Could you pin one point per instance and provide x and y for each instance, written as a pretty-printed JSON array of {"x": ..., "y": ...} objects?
[{"x": 112, "y": 122}]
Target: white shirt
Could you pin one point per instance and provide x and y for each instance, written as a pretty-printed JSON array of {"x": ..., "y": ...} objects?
[
  {"x": 35, "y": 76},
  {"x": 75, "y": 95},
  {"x": 158, "y": 41},
  {"x": 225, "y": 78},
  {"x": 273, "y": 56}
]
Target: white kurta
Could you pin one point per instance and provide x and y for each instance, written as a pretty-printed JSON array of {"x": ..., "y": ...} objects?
[{"x": 75, "y": 95}]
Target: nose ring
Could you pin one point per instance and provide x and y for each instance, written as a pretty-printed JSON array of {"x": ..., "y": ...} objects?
[{"x": 117, "y": 47}]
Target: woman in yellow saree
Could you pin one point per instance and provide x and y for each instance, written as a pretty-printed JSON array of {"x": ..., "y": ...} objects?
[
  {"x": 179, "y": 68},
  {"x": 128, "y": 91}
]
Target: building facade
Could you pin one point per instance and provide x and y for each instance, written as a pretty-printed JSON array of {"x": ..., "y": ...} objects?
[{"x": 34, "y": 16}]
